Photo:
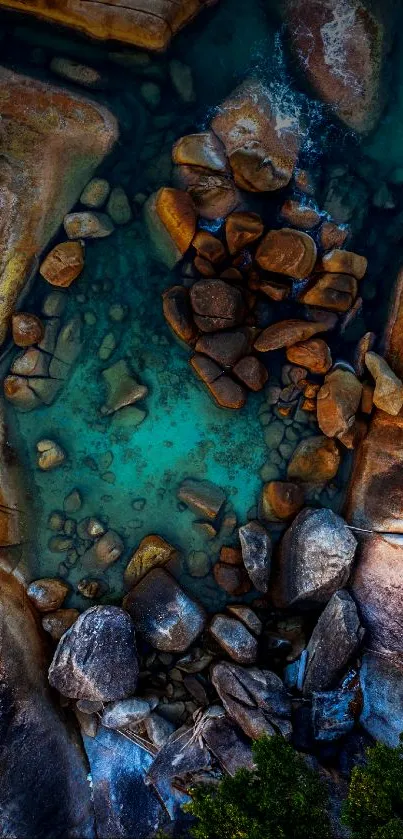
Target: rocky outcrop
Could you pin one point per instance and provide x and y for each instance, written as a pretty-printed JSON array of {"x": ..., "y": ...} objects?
[
  {"x": 339, "y": 45},
  {"x": 34, "y": 197},
  {"x": 148, "y": 24},
  {"x": 44, "y": 790}
]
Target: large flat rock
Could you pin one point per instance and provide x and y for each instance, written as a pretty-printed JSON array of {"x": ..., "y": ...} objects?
[
  {"x": 144, "y": 23},
  {"x": 51, "y": 142}
]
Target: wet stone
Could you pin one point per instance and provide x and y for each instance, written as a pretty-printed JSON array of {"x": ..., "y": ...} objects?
[
  {"x": 247, "y": 616},
  {"x": 123, "y": 389},
  {"x": 91, "y": 589},
  {"x": 50, "y": 455},
  {"x": 234, "y": 638},
  {"x": 178, "y": 313},
  {"x": 48, "y": 594},
  {"x": 251, "y": 372},
  {"x": 95, "y": 193},
  {"x": 27, "y": 329},
  {"x": 158, "y": 729},
  {"x": 313, "y": 354},
  {"x": 315, "y": 460},
  {"x": 255, "y": 699},
  {"x": 125, "y": 713},
  {"x": 106, "y": 550},
  {"x": 388, "y": 393},
  {"x": 335, "y": 292},
  {"x": 280, "y": 500},
  {"x": 88, "y": 225},
  {"x": 242, "y": 229},
  {"x": 345, "y": 262},
  {"x": 226, "y": 348},
  {"x": 74, "y": 72},
  {"x": 286, "y": 333},
  {"x": 338, "y": 401},
  {"x": 304, "y": 215},
  {"x": 96, "y": 659},
  {"x": 61, "y": 267},
  {"x": 152, "y": 552},
  {"x": 256, "y": 553},
  {"x": 58, "y": 622},
  {"x": 118, "y": 207},
  {"x": 216, "y": 304},
  {"x": 202, "y": 497},
  {"x": 288, "y": 252},
  {"x": 233, "y": 579},
  {"x": 72, "y": 502},
  {"x": 209, "y": 247}
]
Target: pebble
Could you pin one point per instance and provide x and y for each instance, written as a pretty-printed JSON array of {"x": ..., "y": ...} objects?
[
  {"x": 50, "y": 456},
  {"x": 56, "y": 521},
  {"x": 88, "y": 225},
  {"x": 107, "y": 347},
  {"x": 117, "y": 312},
  {"x": 151, "y": 94},
  {"x": 75, "y": 72},
  {"x": 90, "y": 318},
  {"x": 72, "y": 502},
  {"x": 182, "y": 80},
  {"x": 95, "y": 193},
  {"x": 118, "y": 207}
]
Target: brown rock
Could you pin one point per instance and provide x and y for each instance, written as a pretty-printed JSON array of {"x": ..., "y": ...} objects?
[
  {"x": 107, "y": 550},
  {"x": 241, "y": 229},
  {"x": 217, "y": 305},
  {"x": 202, "y": 497},
  {"x": 171, "y": 221},
  {"x": 335, "y": 292},
  {"x": 225, "y": 392},
  {"x": 209, "y": 247},
  {"x": 288, "y": 252},
  {"x": 276, "y": 291},
  {"x": 301, "y": 215},
  {"x": 339, "y": 45},
  {"x": 152, "y": 552},
  {"x": 226, "y": 348},
  {"x": 47, "y": 594},
  {"x": 308, "y": 405},
  {"x": 232, "y": 274},
  {"x": 214, "y": 195},
  {"x": 58, "y": 622},
  {"x": 261, "y": 153},
  {"x": 231, "y": 556},
  {"x": 314, "y": 354},
  {"x": 204, "y": 151},
  {"x": 232, "y": 578},
  {"x": 367, "y": 398},
  {"x": 338, "y": 402},
  {"x": 63, "y": 264},
  {"x": 149, "y": 26},
  {"x": 27, "y": 329},
  {"x": 280, "y": 500},
  {"x": 394, "y": 329},
  {"x": 388, "y": 393},
  {"x": 251, "y": 372},
  {"x": 345, "y": 262},
  {"x": 286, "y": 333},
  {"x": 178, "y": 313},
  {"x": 332, "y": 235},
  {"x": 17, "y": 391},
  {"x": 35, "y": 198},
  {"x": 204, "y": 267},
  {"x": 315, "y": 460},
  {"x": 364, "y": 345}
]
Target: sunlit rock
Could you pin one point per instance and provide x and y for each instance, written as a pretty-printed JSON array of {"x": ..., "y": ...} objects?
[
  {"x": 288, "y": 252},
  {"x": 334, "y": 641},
  {"x": 388, "y": 393},
  {"x": 63, "y": 264},
  {"x": 170, "y": 215},
  {"x": 152, "y": 552},
  {"x": 335, "y": 292},
  {"x": 338, "y": 401},
  {"x": 315, "y": 460},
  {"x": 299, "y": 214},
  {"x": 280, "y": 500},
  {"x": 285, "y": 333},
  {"x": 345, "y": 262},
  {"x": 47, "y": 594},
  {"x": 313, "y": 354}
]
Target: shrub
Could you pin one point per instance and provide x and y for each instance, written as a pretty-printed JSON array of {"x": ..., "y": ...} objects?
[
  {"x": 374, "y": 806},
  {"x": 282, "y": 799}
]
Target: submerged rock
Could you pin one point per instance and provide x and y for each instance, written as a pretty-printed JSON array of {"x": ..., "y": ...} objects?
[
  {"x": 88, "y": 225},
  {"x": 202, "y": 497},
  {"x": 118, "y": 207},
  {"x": 335, "y": 639},
  {"x": 123, "y": 389},
  {"x": 170, "y": 216},
  {"x": 96, "y": 659},
  {"x": 48, "y": 593},
  {"x": 255, "y": 699},
  {"x": 63, "y": 264},
  {"x": 95, "y": 193},
  {"x": 316, "y": 557},
  {"x": 163, "y": 613},
  {"x": 315, "y": 460},
  {"x": 256, "y": 553},
  {"x": 50, "y": 455},
  {"x": 152, "y": 552}
]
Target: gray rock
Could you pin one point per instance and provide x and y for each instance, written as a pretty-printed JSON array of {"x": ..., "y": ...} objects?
[
  {"x": 181, "y": 756},
  {"x": 96, "y": 659},
  {"x": 126, "y": 712},
  {"x": 68, "y": 344},
  {"x": 335, "y": 639},
  {"x": 88, "y": 225},
  {"x": 333, "y": 713},
  {"x": 163, "y": 613},
  {"x": 228, "y": 744},
  {"x": 158, "y": 729},
  {"x": 234, "y": 638},
  {"x": 255, "y": 699},
  {"x": 118, "y": 207},
  {"x": 256, "y": 553},
  {"x": 382, "y": 689},
  {"x": 106, "y": 550},
  {"x": 247, "y": 616},
  {"x": 316, "y": 557}
]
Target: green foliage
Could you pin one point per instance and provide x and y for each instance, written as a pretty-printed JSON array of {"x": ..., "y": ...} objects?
[
  {"x": 282, "y": 799},
  {"x": 374, "y": 806}
]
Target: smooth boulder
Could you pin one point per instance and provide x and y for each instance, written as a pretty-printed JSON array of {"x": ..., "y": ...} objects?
[{"x": 335, "y": 639}]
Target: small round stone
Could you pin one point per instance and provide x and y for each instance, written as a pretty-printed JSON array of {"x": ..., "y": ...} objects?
[
  {"x": 27, "y": 329},
  {"x": 95, "y": 193}
]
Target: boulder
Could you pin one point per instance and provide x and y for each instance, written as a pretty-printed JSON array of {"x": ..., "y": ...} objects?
[
  {"x": 216, "y": 305},
  {"x": 256, "y": 553},
  {"x": 242, "y": 229},
  {"x": 202, "y": 497},
  {"x": 228, "y": 744},
  {"x": 286, "y": 333},
  {"x": 334, "y": 713},
  {"x": 209, "y": 247},
  {"x": 251, "y": 372},
  {"x": 313, "y": 354},
  {"x": 261, "y": 148},
  {"x": 96, "y": 659},
  {"x": 163, "y": 613},
  {"x": 339, "y": 46},
  {"x": 382, "y": 691},
  {"x": 280, "y": 500},
  {"x": 202, "y": 170},
  {"x": 334, "y": 641},
  {"x": 225, "y": 392},
  {"x": 36, "y": 201},
  {"x": 123, "y": 389},
  {"x": 316, "y": 556},
  {"x": 300, "y": 214},
  {"x": 178, "y": 313},
  {"x": 50, "y": 455},
  {"x": 95, "y": 193},
  {"x": 255, "y": 699},
  {"x": 226, "y": 348},
  {"x": 338, "y": 401},
  {"x": 332, "y": 235},
  {"x": 48, "y": 594},
  {"x": 149, "y": 26},
  {"x": 88, "y": 225},
  {"x": 234, "y": 638},
  {"x": 152, "y": 552},
  {"x": 345, "y": 262},
  {"x": 170, "y": 216},
  {"x": 388, "y": 393},
  {"x": 315, "y": 460},
  {"x": 27, "y": 329},
  {"x": 335, "y": 292},
  {"x": 288, "y": 252}
]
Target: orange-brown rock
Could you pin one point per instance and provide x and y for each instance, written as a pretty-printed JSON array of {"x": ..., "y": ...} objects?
[
  {"x": 63, "y": 264},
  {"x": 209, "y": 247},
  {"x": 152, "y": 552},
  {"x": 232, "y": 274},
  {"x": 251, "y": 372},
  {"x": 17, "y": 391},
  {"x": 27, "y": 329},
  {"x": 230, "y": 555},
  {"x": 315, "y": 460},
  {"x": 148, "y": 24},
  {"x": 288, "y": 252},
  {"x": 345, "y": 262},
  {"x": 178, "y": 313},
  {"x": 332, "y": 235},
  {"x": 313, "y": 354},
  {"x": 35, "y": 198},
  {"x": 354, "y": 435},
  {"x": 223, "y": 389},
  {"x": 339, "y": 45},
  {"x": 214, "y": 195},
  {"x": 58, "y": 622},
  {"x": 242, "y": 229},
  {"x": 367, "y": 398},
  {"x": 299, "y": 214},
  {"x": 309, "y": 405},
  {"x": 226, "y": 348},
  {"x": 286, "y": 333},
  {"x": 261, "y": 149},
  {"x": 337, "y": 402},
  {"x": 232, "y": 578},
  {"x": 276, "y": 291},
  {"x": 216, "y": 305},
  {"x": 280, "y": 500},
  {"x": 335, "y": 292},
  {"x": 394, "y": 329},
  {"x": 203, "y": 151},
  {"x": 48, "y": 593},
  {"x": 204, "y": 267},
  {"x": 388, "y": 393},
  {"x": 171, "y": 221},
  {"x": 365, "y": 344},
  {"x": 311, "y": 390}
]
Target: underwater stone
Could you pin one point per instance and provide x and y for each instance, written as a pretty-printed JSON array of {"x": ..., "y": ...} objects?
[
  {"x": 32, "y": 362},
  {"x": 17, "y": 391},
  {"x": 286, "y": 333},
  {"x": 255, "y": 699},
  {"x": 338, "y": 401},
  {"x": 202, "y": 497},
  {"x": 125, "y": 713},
  {"x": 234, "y": 638},
  {"x": 68, "y": 344},
  {"x": 47, "y": 594},
  {"x": 313, "y": 354},
  {"x": 242, "y": 229},
  {"x": 335, "y": 639},
  {"x": 95, "y": 193},
  {"x": 106, "y": 550},
  {"x": 251, "y": 372},
  {"x": 256, "y": 553},
  {"x": 27, "y": 329},
  {"x": 123, "y": 389},
  {"x": 288, "y": 252},
  {"x": 50, "y": 455},
  {"x": 315, "y": 460},
  {"x": 178, "y": 313},
  {"x": 299, "y": 214},
  {"x": 226, "y": 348},
  {"x": 388, "y": 393},
  {"x": 163, "y": 613},
  {"x": 233, "y": 579},
  {"x": 118, "y": 207},
  {"x": 72, "y": 502},
  {"x": 71, "y": 70},
  {"x": 170, "y": 216},
  {"x": 88, "y": 225},
  {"x": 96, "y": 659},
  {"x": 261, "y": 153},
  {"x": 280, "y": 500},
  {"x": 63, "y": 264},
  {"x": 316, "y": 557},
  {"x": 58, "y": 622},
  {"x": 152, "y": 552},
  {"x": 216, "y": 304},
  {"x": 107, "y": 346}
]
